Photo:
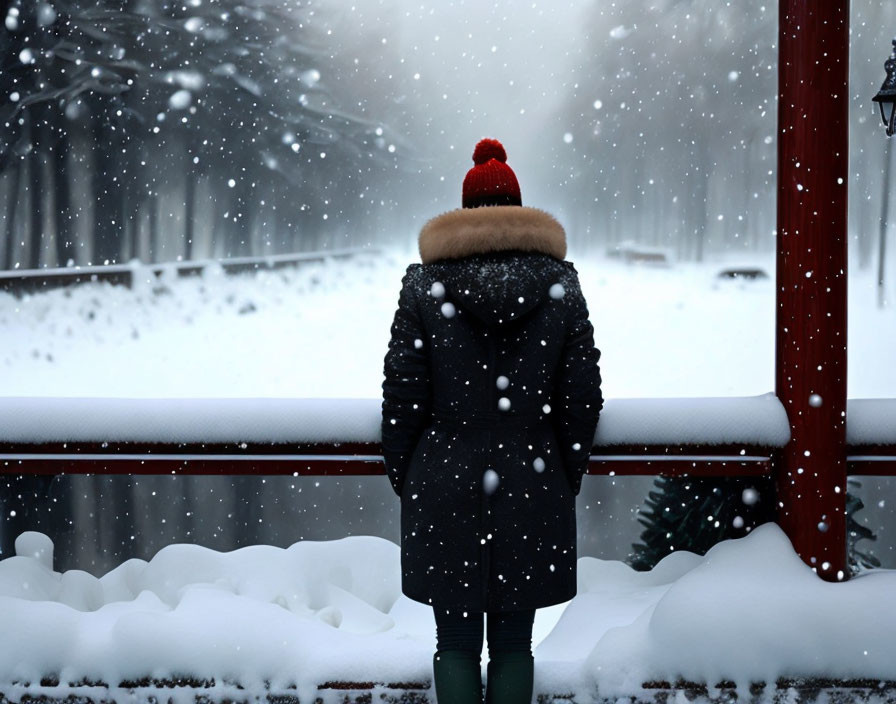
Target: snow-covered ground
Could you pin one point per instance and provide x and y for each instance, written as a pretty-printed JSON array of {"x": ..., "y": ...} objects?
[
  {"x": 748, "y": 611},
  {"x": 321, "y": 330}
]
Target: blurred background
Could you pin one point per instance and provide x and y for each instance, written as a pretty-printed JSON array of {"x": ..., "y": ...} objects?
[{"x": 201, "y": 128}]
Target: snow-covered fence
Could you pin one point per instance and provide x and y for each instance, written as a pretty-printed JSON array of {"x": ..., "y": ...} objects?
[
  {"x": 710, "y": 436},
  {"x": 22, "y": 281}
]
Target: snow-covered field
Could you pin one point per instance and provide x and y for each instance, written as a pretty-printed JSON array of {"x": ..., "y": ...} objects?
[
  {"x": 748, "y": 611},
  {"x": 321, "y": 330}
]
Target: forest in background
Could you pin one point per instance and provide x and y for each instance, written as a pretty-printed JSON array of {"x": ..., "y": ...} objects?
[
  {"x": 674, "y": 122},
  {"x": 215, "y": 128},
  {"x": 165, "y": 130}
]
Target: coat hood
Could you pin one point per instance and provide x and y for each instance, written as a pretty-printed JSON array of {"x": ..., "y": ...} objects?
[
  {"x": 460, "y": 233},
  {"x": 496, "y": 262}
]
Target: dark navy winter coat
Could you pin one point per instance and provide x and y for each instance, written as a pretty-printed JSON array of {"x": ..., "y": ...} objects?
[{"x": 490, "y": 403}]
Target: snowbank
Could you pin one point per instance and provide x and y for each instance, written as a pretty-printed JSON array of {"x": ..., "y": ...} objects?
[
  {"x": 754, "y": 421},
  {"x": 300, "y": 616},
  {"x": 749, "y": 610}
]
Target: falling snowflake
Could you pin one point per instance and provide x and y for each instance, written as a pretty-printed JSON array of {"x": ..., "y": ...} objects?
[
  {"x": 557, "y": 291},
  {"x": 490, "y": 481}
]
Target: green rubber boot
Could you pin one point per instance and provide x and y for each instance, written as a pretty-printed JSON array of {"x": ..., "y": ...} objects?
[
  {"x": 510, "y": 678},
  {"x": 457, "y": 677}
]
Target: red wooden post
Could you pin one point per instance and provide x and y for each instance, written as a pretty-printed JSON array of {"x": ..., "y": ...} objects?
[{"x": 813, "y": 46}]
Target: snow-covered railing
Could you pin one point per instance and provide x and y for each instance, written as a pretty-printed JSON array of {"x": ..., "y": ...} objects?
[
  {"x": 728, "y": 436},
  {"x": 21, "y": 281},
  {"x": 871, "y": 436}
]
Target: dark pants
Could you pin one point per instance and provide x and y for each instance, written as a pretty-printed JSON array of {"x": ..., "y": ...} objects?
[{"x": 508, "y": 631}]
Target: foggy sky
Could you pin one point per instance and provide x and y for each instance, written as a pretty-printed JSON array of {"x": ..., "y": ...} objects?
[{"x": 472, "y": 70}]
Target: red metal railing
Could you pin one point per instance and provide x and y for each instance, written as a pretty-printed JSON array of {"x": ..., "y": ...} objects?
[{"x": 364, "y": 459}]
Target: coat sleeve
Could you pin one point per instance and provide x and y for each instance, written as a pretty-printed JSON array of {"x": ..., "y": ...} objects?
[
  {"x": 578, "y": 398},
  {"x": 406, "y": 387}
]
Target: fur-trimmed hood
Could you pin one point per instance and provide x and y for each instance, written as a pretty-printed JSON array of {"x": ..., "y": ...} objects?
[{"x": 466, "y": 231}]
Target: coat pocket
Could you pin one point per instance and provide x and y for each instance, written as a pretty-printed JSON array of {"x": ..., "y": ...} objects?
[{"x": 411, "y": 475}]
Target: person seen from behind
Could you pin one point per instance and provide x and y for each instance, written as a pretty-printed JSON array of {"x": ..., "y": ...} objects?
[{"x": 491, "y": 399}]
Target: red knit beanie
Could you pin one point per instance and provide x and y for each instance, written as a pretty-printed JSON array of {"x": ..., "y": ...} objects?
[{"x": 491, "y": 181}]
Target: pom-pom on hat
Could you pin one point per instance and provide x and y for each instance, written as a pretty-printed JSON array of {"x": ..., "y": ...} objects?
[{"x": 491, "y": 181}]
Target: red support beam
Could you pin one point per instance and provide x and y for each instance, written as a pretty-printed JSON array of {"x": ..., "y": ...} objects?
[{"x": 813, "y": 53}]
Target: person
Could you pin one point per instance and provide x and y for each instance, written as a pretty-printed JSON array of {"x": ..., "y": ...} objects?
[{"x": 491, "y": 398}]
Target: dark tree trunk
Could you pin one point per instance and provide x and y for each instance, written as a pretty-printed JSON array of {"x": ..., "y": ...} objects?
[
  {"x": 133, "y": 224},
  {"x": 131, "y": 192},
  {"x": 152, "y": 204},
  {"x": 700, "y": 196},
  {"x": 141, "y": 202},
  {"x": 189, "y": 213},
  {"x": 124, "y": 520},
  {"x": 65, "y": 246},
  {"x": 744, "y": 227},
  {"x": 238, "y": 225},
  {"x": 12, "y": 203},
  {"x": 233, "y": 235},
  {"x": 106, "y": 193},
  {"x": 244, "y": 494},
  {"x": 36, "y": 186},
  {"x": 126, "y": 229},
  {"x": 250, "y": 216}
]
